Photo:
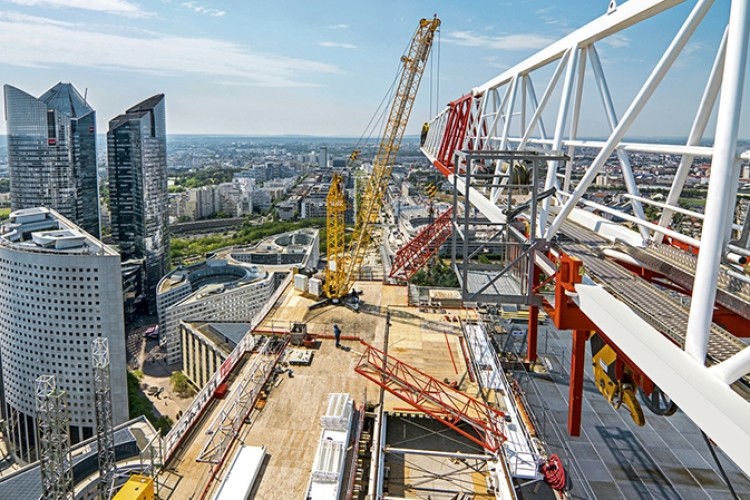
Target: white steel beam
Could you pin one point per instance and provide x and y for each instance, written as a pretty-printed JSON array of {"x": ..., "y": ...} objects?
[
  {"x": 710, "y": 93},
  {"x": 709, "y": 401},
  {"x": 535, "y": 106},
  {"x": 626, "y": 15},
  {"x": 508, "y": 109},
  {"x": 722, "y": 184},
  {"x": 656, "y": 76},
  {"x": 609, "y": 108},
  {"x": 640, "y": 147},
  {"x": 539, "y": 108},
  {"x": 576, "y": 118}
]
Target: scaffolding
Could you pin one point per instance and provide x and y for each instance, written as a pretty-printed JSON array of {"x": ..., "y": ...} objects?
[
  {"x": 105, "y": 440},
  {"x": 519, "y": 188},
  {"x": 54, "y": 440}
]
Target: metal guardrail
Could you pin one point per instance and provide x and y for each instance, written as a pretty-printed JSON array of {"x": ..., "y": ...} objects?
[{"x": 194, "y": 412}]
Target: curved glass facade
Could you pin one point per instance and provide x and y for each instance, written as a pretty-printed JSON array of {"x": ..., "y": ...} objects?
[{"x": 137, "y": 154}]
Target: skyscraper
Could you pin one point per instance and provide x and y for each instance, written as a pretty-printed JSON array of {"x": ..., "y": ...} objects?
[
  {"x": 52, "y": 153},
  {"x": 60, "y": 289},
  {"x": 137, "y": 157}
]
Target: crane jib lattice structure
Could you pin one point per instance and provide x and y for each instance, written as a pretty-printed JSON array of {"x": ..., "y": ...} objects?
[
  {"x": 343, "y": 264},
  {"x": 682, "y": 352},
  {"x": 466, "y": 415}
]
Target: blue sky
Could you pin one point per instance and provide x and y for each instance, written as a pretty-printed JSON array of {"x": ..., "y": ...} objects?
[{"x": 316, "y": 67}]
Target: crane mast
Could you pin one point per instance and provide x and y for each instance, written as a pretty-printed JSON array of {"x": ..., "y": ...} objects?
[{"x": 342, "y": 265}]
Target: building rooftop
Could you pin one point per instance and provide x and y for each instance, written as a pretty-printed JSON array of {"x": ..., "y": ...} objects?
[
  {"x": 65, "y": 98},
  {"x": 44, "y": 230},
  {"x": 211, "y": 274},
  {"x": 224, "y": 335}
]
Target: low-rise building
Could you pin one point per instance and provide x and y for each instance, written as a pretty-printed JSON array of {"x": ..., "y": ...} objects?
[
  {"x": 205, "y": 346},
  {"x": 232, "y": 286}
]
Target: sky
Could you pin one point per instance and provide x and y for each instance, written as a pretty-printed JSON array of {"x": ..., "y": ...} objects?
[{"x": 321, "y": 67}]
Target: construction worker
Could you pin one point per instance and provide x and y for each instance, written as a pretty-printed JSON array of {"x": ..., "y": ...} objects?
[
  {"x": 423, "y": 135},
  {"x": 337, "y": 335}
]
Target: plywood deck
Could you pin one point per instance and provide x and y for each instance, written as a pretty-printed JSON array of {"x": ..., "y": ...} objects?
[{"x": 288, "y": 426}]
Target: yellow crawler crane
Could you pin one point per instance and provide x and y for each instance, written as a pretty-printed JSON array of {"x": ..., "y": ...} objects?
[
  {"x": 343, "y": 264},
  {"x": 336, "y": 210}
]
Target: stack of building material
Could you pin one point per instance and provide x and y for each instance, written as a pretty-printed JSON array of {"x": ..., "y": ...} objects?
[{"x": 450, "y": 299}]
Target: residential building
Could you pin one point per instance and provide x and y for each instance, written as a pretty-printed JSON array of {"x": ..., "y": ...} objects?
[
  {"x": 137, "y": 154},
  {"x": 52, "y": 153},
  {"x": 60, "y": 288}
]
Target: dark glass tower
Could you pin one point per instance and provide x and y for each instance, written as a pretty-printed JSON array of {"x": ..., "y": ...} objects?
[
  {"x": 52, "y": 153},
  {"x": 137, "y": 156}
]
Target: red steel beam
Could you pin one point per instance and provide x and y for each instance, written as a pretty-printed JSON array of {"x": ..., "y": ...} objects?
[
  {"x": 441, "y": 401},
  {"x": 455, "y": 133},
  {"x": 411, "y": 257},
  {"x": 575, "y": 391}
]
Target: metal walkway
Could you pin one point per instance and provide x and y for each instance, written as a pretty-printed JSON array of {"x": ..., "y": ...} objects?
[{"x": 655, "y": 306}]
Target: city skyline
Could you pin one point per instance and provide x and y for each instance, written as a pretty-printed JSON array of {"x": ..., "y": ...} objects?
[{"x": 321, "y": 70}]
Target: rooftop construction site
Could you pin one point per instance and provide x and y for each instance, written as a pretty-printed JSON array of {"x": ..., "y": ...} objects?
[{"x": 601, "y": 355}]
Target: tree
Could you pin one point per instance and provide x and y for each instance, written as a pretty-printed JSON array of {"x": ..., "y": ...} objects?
[{"x": 181, "y": 385}]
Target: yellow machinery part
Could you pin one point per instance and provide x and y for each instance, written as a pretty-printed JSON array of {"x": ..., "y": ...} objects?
[
  {"x": 340, "y": 279},
  {"x": 616, "y": 392},
  {"x": 632, "y": 404},
  {"x": 337, "y": 260},
  {"x": 136, "y": 488}
]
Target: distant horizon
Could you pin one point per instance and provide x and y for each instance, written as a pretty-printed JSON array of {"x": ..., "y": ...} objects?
[{"x": 650, "y": 139}]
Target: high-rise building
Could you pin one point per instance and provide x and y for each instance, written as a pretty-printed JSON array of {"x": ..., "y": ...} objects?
[
  {"x": 60, "y": 288},
  {"x": 138, "y": 197},
  {"x": 323, "y": 157},
  {"x": 52, "y": 153}
]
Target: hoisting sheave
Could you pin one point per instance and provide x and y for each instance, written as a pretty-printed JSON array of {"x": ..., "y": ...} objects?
[
  {"x": 343, "y": 264},
  {"x": 614, "y": 379}
]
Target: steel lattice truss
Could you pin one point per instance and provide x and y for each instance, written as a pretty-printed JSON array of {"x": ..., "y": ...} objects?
[
  {"x": 335, "y": 237},
  {"x": 414, "y": 63},
  {"x": 482, "y": 424},
  {"x": 505, "y": 114},
  {"x": 226, "y": 424},
  {"x": 54, "y": 440},
  {"x": 411, "y": 257},
  {"x": 105, "y": 439}
]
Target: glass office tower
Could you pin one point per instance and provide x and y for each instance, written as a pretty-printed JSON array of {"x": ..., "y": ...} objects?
[
  {"x": 52, "y": 153},
  {"x": 137, "y": 157}
]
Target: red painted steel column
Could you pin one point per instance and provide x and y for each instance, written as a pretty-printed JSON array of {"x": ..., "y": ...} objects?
[
  {"x": 575, "y": 395},
  {"x": 531, "y": 346}
]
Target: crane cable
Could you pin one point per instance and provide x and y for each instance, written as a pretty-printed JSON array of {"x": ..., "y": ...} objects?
[
  {"x": 377, "y": 120},
  {"x": 435, "y": 79}
]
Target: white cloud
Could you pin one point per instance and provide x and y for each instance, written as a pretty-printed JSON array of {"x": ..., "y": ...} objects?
[
  {"x": 75, "y": 45},
  {"x": 203, "y": 10},
  {"x": 505, "y": 42},
  {"x": 548, "y": 16},
  {"x": 119, "y": 7},
  {"x": 692, "y": 48},
  {"x": 337, "y": 26},
  {"x": 337, "y": 45},
  {"x": 617, "y": 41}
]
